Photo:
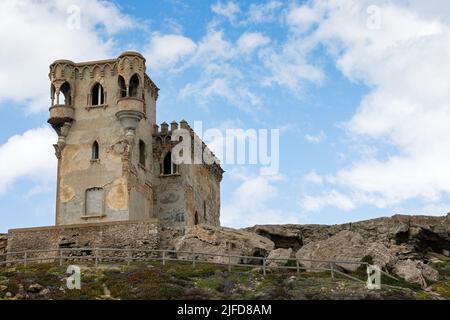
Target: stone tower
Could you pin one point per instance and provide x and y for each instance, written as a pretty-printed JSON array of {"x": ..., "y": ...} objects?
[{"x": 113, "y": 159}]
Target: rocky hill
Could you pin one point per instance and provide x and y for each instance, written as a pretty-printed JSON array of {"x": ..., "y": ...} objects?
[{"x": 407, "y": 246}]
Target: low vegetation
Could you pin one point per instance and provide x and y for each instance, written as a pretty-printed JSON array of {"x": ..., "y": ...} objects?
[{"x": 178, "y": 280}]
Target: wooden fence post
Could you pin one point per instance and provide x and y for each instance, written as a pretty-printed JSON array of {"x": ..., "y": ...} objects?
[
  {"x": 25, "y": 257},
  {"x": 130, "y": 253},
  {"x": 164, "y": 258},
  {"x": 264, "y": 266},
  {"x": 332, "y": 270},
  {"x": 96, "y": 257},
  {"x": 60, "y": 257},
  {"x": 297, "y": 264},
  {"x": 193, "y": 261}
]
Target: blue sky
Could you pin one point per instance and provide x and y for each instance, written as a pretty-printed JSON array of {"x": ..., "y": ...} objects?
[{"x": 359, "y": 90}]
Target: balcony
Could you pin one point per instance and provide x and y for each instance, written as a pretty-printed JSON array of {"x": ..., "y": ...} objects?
[
  {"x": 131, "y": 104},
  {"x": 60, "y": 114}
]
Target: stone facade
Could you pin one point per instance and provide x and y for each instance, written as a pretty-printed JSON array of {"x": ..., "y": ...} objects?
[{"x": 112, "y": 156}]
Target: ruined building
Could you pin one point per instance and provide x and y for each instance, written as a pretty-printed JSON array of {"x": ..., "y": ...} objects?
[{"x": 114, "y": 162}]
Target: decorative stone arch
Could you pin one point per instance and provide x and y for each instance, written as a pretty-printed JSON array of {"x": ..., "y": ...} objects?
[{"x": 97, "y": 94}]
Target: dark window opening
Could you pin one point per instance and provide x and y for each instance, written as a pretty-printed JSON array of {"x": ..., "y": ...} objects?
[
  {"x": 134, "y": 86},
  {"x": 98, "y": 95},
  {"x": 142, "y": 153},
  {"x": 123, "y": 87},
  {"x": 196, "y": 218},
  {"x": 66, "y": 94},
  {"x": 168, "y": 166},
  {"x": 95, "y": 151}
]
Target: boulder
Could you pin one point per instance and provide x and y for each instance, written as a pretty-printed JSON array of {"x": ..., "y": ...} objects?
[
  {"x": 417, "y": 272},
  {"x": 381, "y": 256},
  {"x": 35, "y": 288},
  {"x": 346, "y": 245},
  {"x": 273, "y": 260},
  {"x": 222, "y": 241},
  {"x": 408, "y": 270}
]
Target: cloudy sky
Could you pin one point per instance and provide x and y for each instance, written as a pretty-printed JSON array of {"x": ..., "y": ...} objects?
[{"x": 360, "y": 91}]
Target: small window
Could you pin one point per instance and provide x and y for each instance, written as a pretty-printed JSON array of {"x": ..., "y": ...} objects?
[
  {"x": 122, "y": 87},
  {"x": 142, "y": 153},
  {"x": 95, "y": 151},
  {"x": 168, "y": 166},
  {"x": 98, "y": 95},
  {"x": 134, "y": 86}
]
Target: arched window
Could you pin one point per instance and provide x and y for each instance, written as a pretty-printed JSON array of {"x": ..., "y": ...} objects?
[
  {"x": 66, "y": 95},
  {"x": 134, "y": 86},
  {"x": 142, "y": 152},
  {"x": 97, "y": 95},
  {"x": 52, "y": 94},
  {"x": 122, "y": 87},
  {"x": 168, "y": 166},
  {"x": 95, "y": 151}
]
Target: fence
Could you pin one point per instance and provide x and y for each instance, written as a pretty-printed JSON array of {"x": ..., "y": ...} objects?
[{"x": 98, "y": 255}]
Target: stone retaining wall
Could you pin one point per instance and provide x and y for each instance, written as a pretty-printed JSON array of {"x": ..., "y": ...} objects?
[{"x": 118, "y": 235}]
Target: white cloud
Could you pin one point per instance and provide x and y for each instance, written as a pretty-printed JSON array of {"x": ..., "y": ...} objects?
[
  {"x": 250, "y": 41},
  {"x": 405, "y": 65},
  {"x": 253, "y": 202},
  {"x": 165, "y": 51},
  {"x": 289, "y": 67},
  {"x": 229, "y": 10},
  {"x": 30, "y": 155},
  {"x": 318, "y": 138},
  {"x": 263, "y": 13},
  {"x": 215, "y": 57},
  {"x": 313, "y": 177},
  {"x": 331, "y": 199},
  {"x": 302, "y": 18},
  {"x": 35, "y": 33}
]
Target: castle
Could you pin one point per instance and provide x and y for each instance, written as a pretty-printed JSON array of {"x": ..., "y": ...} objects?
[
  {"x": 119, "y": 183},
  {"x": 114, "y": 162}
]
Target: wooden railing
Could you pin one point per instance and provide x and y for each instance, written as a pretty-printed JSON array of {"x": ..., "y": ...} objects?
[{"x": 98, "y": 255}]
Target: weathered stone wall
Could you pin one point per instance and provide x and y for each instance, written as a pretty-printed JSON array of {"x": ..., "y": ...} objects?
[{"x": 117, "y": 235}]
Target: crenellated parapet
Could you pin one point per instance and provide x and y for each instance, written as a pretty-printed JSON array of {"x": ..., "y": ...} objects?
[{"x": 165, "y": 143}]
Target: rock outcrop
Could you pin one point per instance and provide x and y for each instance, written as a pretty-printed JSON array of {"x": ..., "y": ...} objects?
[
  {"x": 390, "y": 242},
  {"x": 279, "y": 257},
  {"x": 223, "y": 241},
  {"x": 416, "y": 272},
  {"x": 345, "y": 246}
]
